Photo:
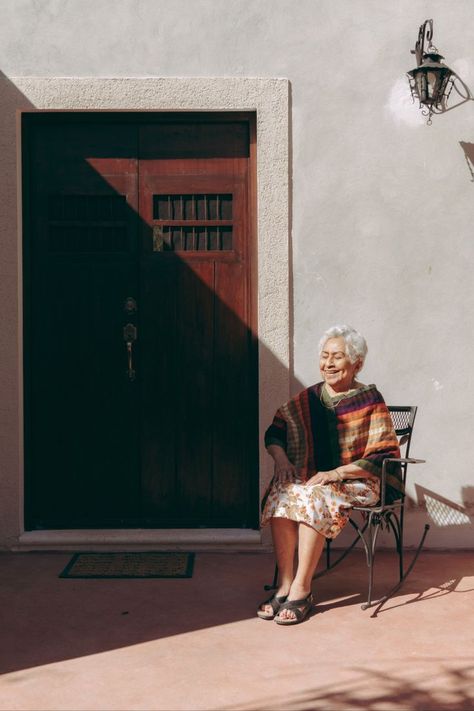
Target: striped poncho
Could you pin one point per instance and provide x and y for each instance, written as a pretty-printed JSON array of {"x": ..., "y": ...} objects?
[{"x": 318, "y": 435}]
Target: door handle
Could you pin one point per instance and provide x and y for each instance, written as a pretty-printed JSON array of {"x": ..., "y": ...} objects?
[{"x": 130, "y": 336}]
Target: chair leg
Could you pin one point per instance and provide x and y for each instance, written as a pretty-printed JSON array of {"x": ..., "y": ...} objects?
[
  {"x": 401, "y": 522},
  {"x": 373, "y": 531},
  {"x": 274, "y": 584},
  {"x": 328, "y": 553},
  {"x": 397, "y": 532}
]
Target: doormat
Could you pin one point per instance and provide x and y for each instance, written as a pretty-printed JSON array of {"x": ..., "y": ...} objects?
[{"x": 129, "y": 565}]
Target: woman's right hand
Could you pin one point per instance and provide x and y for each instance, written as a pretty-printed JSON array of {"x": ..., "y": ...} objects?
[{"x": 285, "y": 471}]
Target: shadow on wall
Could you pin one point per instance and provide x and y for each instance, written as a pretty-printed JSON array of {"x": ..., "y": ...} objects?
[
  {"x": 373, "y": 690},
  {"x": 461, "y": 94},
  {"x": 443, "y": 512},
  {"x": 468, "y": 149}
]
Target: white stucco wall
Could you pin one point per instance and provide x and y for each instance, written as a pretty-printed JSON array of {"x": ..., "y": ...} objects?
[{"x": 382, "y": 205}]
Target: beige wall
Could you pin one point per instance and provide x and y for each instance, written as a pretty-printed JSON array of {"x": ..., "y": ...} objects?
[{"x": 381, "y": 205}]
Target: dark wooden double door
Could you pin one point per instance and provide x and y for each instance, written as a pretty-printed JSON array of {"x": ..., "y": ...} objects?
[{"x": 140, "y": 353}]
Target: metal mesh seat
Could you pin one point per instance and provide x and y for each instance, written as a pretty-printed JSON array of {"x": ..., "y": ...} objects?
[{"x": 384, "y": 514}]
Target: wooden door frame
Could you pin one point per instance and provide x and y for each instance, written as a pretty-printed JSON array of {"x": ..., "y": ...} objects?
[{"x": 269, "y": 98}]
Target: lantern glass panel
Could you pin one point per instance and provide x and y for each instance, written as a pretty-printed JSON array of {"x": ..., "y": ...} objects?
[
  {"x": 433, "y": 85},
  {"x": 421, "y": 88}
]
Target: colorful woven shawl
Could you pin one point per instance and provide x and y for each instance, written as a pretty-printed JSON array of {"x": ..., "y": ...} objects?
[{"x": 318, "y": 437}]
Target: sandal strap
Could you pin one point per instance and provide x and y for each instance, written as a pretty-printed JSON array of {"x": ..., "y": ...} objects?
[
  {"x": 300, "y": 609},
  {"x": 294, "y": 604},
  {"x": 275, "y": 602}
]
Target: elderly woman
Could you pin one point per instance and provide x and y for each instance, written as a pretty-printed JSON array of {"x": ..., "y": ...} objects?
[{"x": 328, "y": 444}]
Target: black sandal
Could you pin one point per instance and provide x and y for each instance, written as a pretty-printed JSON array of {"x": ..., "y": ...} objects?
[
  {"x": 275, "y": 602},
  {"x": 301, "y": 608}
]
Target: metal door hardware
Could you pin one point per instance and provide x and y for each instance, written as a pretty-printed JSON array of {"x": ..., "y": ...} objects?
[
  {"x": 130, "y": 336},
  {"x": 130, "y": 305}
]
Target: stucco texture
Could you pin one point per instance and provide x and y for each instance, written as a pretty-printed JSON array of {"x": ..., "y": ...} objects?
[{"x": 381, "y": 205}]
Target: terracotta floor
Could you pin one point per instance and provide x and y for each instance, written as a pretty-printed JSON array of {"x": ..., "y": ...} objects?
[{"x": 196, "y": 644}]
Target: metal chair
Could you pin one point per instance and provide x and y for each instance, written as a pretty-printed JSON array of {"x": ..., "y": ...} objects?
[{"x": 383, "y": 514}]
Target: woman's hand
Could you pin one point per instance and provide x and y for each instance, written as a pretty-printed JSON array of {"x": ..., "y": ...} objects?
[
  {"x": 324, "y": 477},
  {"x": 284, "y": 469}
]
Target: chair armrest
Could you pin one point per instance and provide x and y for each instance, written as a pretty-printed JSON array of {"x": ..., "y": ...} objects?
[
  {"x": 406, "y": 460},
  {"x": 400, "y": 460}
]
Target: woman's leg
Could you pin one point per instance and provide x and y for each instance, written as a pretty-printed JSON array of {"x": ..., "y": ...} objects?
[
  {"x": 285, "y": 536},
  {"x": 310, "y": 546}
]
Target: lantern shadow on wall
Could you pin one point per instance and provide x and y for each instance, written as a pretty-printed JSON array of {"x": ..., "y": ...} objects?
[
  {"x": 468, "y": 149},
  {"x": 432, "y": 82}
]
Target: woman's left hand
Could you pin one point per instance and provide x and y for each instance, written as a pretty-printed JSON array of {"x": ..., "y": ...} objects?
[{"x": 323, "y": 478}]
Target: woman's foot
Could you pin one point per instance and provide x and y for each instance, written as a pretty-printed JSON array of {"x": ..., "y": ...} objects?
[
  {"x": 296, "y": 592},
  {"x": 301, "y": 609},
  {"x": 279, "y": 597}
]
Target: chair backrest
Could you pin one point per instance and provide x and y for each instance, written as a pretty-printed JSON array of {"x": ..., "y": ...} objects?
[{"x": 403, "y": 418}]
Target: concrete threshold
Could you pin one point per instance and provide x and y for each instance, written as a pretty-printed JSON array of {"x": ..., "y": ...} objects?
[{"x": 197, "y": 539}]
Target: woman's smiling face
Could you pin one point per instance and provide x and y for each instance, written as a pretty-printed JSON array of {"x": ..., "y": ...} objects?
[{"x": 335, "y": 365}]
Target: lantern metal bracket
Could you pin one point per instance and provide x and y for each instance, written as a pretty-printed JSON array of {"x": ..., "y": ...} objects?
[{"x": 425, "y": 33}]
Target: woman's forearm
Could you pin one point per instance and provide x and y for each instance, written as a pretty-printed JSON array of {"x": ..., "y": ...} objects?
[
  {"x": 344, "y": 472},
  {"x": 352, "y": 471},
  {"x": 277, "y": 453}
]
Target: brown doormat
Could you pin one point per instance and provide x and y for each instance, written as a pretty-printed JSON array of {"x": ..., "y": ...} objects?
[{"x": 129, "y": 565}]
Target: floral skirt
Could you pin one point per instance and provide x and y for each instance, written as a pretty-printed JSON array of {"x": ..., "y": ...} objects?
[{"x": 324, "y": 507}]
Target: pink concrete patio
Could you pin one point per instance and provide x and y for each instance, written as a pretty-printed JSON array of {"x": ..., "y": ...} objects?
[{"x": 196, "y": 644}]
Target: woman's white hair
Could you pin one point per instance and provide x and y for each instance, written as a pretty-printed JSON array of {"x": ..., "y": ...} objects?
[{"x": 356, "y": 346}]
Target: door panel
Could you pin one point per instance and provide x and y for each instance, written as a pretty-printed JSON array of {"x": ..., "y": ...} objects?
[
  {"x": 233, "y": 417},
  {"x": 203, "y": 223},
  {"x": 176, "y": 370},
  {"x": 159, "y": 370},
  {"x": 194, "y": 347},
  {"x": 83, "y": 465}
]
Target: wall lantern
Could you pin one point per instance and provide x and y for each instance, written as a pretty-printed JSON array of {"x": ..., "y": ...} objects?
[{"x": 431, "y": 82}]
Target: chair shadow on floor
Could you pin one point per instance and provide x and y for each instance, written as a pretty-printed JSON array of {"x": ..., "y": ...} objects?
[{"x": 426, "y": 582}]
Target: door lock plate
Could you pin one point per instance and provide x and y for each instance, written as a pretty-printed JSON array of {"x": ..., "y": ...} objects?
[{"x": 129, "y": 333}]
